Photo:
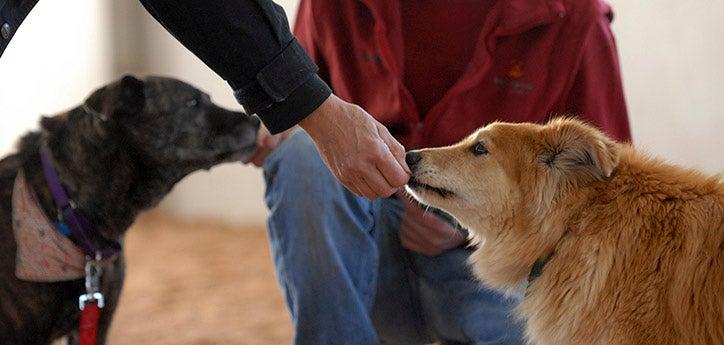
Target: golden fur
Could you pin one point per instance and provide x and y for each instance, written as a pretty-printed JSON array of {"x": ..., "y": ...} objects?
[{"x": 636, "y": 245}]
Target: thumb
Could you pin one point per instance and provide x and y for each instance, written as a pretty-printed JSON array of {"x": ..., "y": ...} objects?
[
  {"x": 397, "y": 150},
  {"x": 262, "y": 137}
]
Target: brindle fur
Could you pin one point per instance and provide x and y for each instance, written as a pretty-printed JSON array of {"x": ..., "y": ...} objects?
[{"x": 117, "y": 155}]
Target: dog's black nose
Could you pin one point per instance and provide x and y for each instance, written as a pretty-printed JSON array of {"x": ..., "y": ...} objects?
[
  {"x": 254, "y": 120},
  {"x": 412, "y": 158}
]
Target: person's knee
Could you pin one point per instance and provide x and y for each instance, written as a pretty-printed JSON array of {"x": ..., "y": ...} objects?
[
  {"x": 306, "y": 202},
  {"x": 295, "y": 153},
  {"x": 296, "y": 166},
  {"x": 298, "y": 181}
]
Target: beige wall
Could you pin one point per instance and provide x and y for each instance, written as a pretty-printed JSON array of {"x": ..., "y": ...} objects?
[
  {"x": 671, "y": 52},
  {"x": 59, "y": 54}
]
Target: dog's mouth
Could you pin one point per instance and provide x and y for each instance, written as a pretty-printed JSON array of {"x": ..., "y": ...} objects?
[
  {"x": 416, "y": 185},
  {"x": 237, "y": 155}
]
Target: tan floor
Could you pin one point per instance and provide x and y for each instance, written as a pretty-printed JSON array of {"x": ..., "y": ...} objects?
[{"x": 198, "y": 284}]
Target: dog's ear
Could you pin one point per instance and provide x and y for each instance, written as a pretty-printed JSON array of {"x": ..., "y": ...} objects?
[
  {"x": 51, "y": 123},
  {"x": 128, "y": 98},
  {"x": 575, "y": 147},
  {"x": 122, "y": 98},
  {"x": 94, "y": 104}
]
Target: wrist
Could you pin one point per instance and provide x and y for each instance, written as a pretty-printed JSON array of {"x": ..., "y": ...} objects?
[{"x": 316, "y": 119}]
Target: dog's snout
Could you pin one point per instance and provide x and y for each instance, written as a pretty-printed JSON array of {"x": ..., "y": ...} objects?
[
  {"x": 413, "y": 158},
  {"x": 222, "y": 120}
]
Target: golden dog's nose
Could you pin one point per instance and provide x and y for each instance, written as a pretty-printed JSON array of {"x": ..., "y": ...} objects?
[{"x": 412, "y": 158}]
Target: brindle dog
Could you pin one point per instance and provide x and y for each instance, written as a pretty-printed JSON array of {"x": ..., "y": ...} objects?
[{"x": 117, "y": 155}]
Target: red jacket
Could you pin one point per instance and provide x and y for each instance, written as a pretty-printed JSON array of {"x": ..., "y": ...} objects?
[{"x": 535, "y": 59}]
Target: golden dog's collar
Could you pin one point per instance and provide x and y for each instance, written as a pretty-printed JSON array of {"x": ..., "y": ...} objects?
[{"x": 537, "y": 268}]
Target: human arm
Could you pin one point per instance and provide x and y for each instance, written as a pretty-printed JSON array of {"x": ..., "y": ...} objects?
[{"x": 248, "y": 43}]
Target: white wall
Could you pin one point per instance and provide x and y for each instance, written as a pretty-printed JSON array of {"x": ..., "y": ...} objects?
[
  {"x": 56, "y": 58},
  {"x": 672, "y": 55}
]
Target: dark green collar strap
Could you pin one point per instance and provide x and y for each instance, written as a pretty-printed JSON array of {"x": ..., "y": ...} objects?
[{"x": 538, "y": 266}]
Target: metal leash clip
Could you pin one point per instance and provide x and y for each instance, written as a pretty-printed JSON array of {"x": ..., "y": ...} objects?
[{"x": 93, "y": 273}]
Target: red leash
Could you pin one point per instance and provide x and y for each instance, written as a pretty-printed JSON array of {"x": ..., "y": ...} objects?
[
  {"x": 89, "y": 323},
  {"x": 90, "y": 303}
]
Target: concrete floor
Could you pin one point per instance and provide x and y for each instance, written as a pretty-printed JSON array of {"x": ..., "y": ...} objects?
[{"x": 198, "y": 284}]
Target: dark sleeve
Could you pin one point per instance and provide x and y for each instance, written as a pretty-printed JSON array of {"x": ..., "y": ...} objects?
[{"x": 248, "y": 44}]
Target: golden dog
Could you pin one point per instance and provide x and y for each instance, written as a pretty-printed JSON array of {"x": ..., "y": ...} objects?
[{"x": 610, "y": 246}]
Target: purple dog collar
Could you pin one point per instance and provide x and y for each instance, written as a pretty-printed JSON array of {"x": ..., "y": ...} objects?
[{"x": 83, "y": 233}]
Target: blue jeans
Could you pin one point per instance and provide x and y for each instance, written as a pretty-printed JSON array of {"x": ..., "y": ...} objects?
[{"x": 345, "y": 276}]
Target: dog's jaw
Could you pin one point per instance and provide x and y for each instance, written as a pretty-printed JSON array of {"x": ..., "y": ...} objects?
[
  {"x": 491, "y": 264},
  {"x": 415, "y": 184},
  {"x": 237, "y": 155},
  {"x": 429, "y": 194}
]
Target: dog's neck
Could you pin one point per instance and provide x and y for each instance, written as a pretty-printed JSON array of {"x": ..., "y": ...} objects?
[
  {"x": 507, "y": 240},
  {"x": 108, "y": 184}
]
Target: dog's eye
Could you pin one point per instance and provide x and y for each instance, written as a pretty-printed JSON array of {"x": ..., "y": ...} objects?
[
  {"x": 192, "y": 103},
  {"x": 479, "y": 149}
]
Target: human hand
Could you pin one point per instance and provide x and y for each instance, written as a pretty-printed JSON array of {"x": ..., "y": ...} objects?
[
  {"x": 357, "y": 149},
  {"x": 265, "y": 144},
  {"x": 425, "y": 233}
]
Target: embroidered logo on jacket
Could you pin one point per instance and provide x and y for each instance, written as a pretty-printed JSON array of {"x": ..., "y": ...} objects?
[{"x": 511, "y": 79}]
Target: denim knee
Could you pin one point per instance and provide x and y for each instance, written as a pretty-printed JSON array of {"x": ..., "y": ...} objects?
[
  {"x": 296, "y": 176},
  {"x": 324, "y": 254},
  {"x": 307, "y": 205},
  {"x": 296, "y": 165}
]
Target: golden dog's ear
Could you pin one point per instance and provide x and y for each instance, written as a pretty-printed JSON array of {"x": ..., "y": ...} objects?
[{"x": 573, "y": 146}]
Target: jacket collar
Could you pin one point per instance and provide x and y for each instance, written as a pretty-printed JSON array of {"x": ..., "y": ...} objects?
[
  {"x": 511, "y": 16},
  {"x": 506, "y": 17},
  {"x": 518, "y": 16}
]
